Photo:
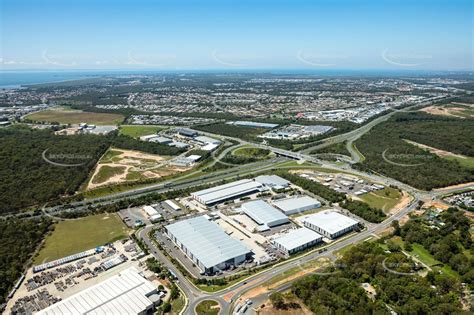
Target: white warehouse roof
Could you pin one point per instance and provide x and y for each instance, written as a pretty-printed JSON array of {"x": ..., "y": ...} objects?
[
  {"x": 125, "y": 293},
  {"x": 209, "y": 147},
  {"x": 207, "y": 140},
  {"x": 297, "y": 238},
  {"x": 263, "y": 213},
  {"x": 207, "y": 241},
  {"x": 150, "y": 211},
  {"x": 227, "y": 191},
  {"x": 330, "y": 221},
  {"x": 293, "y": 205}
]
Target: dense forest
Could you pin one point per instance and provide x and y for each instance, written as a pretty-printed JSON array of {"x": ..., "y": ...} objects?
[
  {"x": 341, "y": 292},
  {"x": 129, "y": 143},
  {"x": 359, "y": 208},
  {"x": 363, "y": 210},
  {"x": 413, "y": 165},
  {"x": 28, "y": 179},
  {"x": 336, "y": 148},
  {"x": 18, "y": 241},
  {"x": 246, "y": 133}
]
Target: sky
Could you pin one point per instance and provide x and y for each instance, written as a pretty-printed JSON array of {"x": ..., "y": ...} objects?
[{"x": 241, "y": 34}]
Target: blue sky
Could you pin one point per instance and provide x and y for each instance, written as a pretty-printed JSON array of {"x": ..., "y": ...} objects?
[{"x": 176, "y": 34}]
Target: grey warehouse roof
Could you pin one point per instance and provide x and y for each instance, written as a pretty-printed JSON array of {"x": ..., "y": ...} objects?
[
  {"x": 297, "y": 238},
  {"x": 290, "y": 204},
  {"x": 125, "y": 293},
  {"x": 272, "y": 180},
  {"x": 207, "y": 241},
  {"x": 263, "y": 213},
  {"x": 222, "y": 192},
  {"x": 330, "y": 221}
]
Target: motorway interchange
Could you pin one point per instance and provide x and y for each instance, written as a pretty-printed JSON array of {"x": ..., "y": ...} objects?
[{"x": 230, "y": 296}]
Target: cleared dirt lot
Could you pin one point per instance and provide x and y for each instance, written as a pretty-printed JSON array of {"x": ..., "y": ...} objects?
[
  {"x": 69, "y": 116},
  {"x": 452, "y": 111},
  {"x": 119, "y": 166}
]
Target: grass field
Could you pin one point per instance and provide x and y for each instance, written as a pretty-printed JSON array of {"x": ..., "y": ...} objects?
[
  {"x": 68, "y": 116},
  {"x": 137, "y": 131},
  {"x": 74, "y": 236},
  {"x": 384, "y": 199},
  {"x": 422, "y": 254},
  {"x": 207, "y": 307},
  {"x": 250, "y": 152},
  {"x": 467, "y": 162}
]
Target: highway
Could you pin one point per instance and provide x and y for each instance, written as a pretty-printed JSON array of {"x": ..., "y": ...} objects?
[{"x": 233, "y": 293}]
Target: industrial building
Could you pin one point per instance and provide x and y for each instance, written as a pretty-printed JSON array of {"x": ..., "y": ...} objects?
[
  {"x": 125, "y": 293},
  {"x": 178, "y": 144},
  {"x": 297, "y": 240},
  {"x": 330, "y": 223},
  {"x": 209, "y": 147},
  {"x": 172, "y": 205},
  {"x": 152, "y": 214},
  {"x": 207, "y": 245},
  {"x": 149, "y": 137},
  {"x": 187, "y": 132},
  {"x": 228, "y": 191},
  {"x": 162, "y": 140},
  {"x": 272, "y": 181},
  {"x": 207, "y": 140},
  {"x": 297, "y": 205},
  {"x": 264, "y": 214},
  {"x": 252, "y": 124}
]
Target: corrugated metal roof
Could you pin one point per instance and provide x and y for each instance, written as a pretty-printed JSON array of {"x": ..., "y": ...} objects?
[
  {"x": 297, "y": 238},
  {"x": 263, "y": 213},
  {"x": 205, "y": 139},
  {"x": 272, "y": 180},
  {"x": 296, "y": 203},
  {"x": 215, "y": 194},
  {"x": 207, "y": 241},
  {"x": 330, "y": 221},
  {"x": 125, "y": 293}
]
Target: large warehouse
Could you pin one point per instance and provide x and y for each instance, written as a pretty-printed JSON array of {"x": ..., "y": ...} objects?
[
  {"x": 228, "y": 191},
  {"x": 264, "y": 214},
  {"x": 297, "y": 204},
  {"x": 207, "y": 245},
  {"x": 297, "y": 240},
  {"x": 272, "y": 181},
  {"x": 330, "y": 223},
  {"x": 125, "y": 293}
]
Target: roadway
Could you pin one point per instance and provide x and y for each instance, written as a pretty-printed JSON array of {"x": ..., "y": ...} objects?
[{"x": 192, "y": 293}]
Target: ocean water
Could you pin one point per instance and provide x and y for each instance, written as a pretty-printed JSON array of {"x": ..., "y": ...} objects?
[{"x": 15, "y": 79}]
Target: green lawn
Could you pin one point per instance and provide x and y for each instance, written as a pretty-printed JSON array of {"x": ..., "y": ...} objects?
[
  {"x": 177, "y": 304},
  {"x": 207, "y": 307},
  {"x": 137, "y": 131},
  {"x": 68, "y": 116},
  {"x": 73, "y": 236},
  {"x": 467, "y": 162},
  {"x": 384, "y": 199}
]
